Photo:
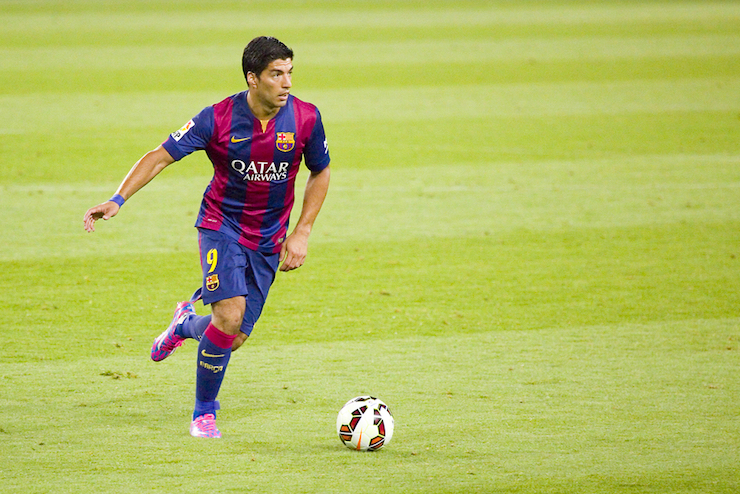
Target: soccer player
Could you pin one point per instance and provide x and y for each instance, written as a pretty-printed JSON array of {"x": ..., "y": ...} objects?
[{"x": 256, "y": 140}]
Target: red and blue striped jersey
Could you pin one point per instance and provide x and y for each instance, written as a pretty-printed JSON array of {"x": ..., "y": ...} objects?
[{"x": 252, "y": 191}]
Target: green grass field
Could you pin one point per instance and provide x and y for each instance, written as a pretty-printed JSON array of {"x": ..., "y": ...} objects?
[{"x": 530, "y": 249}]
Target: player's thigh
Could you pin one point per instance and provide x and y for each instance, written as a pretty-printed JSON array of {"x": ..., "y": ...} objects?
[{"x": 224, "y": 265}]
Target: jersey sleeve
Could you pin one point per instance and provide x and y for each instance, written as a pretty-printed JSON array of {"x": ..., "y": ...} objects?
[
  {"x": 193, "y": 136},
  {"x": 316, "y": 152}
]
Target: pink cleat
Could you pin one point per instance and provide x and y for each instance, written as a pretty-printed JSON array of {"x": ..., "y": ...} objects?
[
  {"x": 205, "y": 426},
  {"x": 166, "y": 343}
]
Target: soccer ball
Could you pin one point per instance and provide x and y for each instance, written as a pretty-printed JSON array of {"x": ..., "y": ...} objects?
[{"x": 365, "y": 424}]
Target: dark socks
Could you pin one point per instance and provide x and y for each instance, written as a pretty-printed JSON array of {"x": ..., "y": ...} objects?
[
  {"x": 193, "y": 327},
  {"x": 214, "y": 352}
]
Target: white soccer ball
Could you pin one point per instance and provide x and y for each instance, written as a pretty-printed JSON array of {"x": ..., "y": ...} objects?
[{"x": 365, "y": 424}]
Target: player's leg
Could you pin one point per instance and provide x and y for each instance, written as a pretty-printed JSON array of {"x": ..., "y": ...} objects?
[
  {"x": 232, "y": 323},
  {"x": 214, "y": 353},
  {"x": 185, "y": 322},
  {"x": 189, "y": 325},
  {"x": 224, "y": 288}
]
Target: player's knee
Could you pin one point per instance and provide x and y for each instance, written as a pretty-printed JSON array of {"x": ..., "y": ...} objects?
[{"x": 228, "y": 315}]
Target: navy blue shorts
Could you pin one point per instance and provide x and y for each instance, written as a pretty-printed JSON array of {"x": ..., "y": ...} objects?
[{"x": 232, "y": 270}]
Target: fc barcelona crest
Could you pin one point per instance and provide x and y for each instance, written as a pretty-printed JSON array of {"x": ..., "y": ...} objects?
[
  {"x": 285, "y": 141},
  {"x": 212, "y": 282}
]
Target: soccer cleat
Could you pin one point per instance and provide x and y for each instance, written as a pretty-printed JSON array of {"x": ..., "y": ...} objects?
[
  {"x": 166, "y": 343},
  {"x": 205, "y": 426}
]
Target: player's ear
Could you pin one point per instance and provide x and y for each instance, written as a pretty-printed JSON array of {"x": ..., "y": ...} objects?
[{"x": 251, "y": 79}]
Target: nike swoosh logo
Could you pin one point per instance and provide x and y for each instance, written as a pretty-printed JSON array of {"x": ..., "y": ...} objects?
[
  {"x": 235, "y": 140},
  {"x": 203, "y": 352}
]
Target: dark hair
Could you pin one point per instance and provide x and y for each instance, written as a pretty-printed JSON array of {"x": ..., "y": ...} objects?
[{"x": 261, "y": 52}]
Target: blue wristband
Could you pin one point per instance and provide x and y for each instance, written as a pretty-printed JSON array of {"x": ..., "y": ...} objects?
[{"x": 118, "y": 199}]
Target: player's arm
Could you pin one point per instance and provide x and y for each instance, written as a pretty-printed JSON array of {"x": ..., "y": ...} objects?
[
  {"x": 148, "y": 167},
  {"x": 294, "y": 249}
]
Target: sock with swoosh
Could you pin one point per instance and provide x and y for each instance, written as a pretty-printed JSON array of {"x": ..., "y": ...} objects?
[{"x": 214, "y": 352}]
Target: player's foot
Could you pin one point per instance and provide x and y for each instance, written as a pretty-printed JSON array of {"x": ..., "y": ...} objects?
[
  {"x": 205, "y": 426},
  {"x": 166, "y": 343}
]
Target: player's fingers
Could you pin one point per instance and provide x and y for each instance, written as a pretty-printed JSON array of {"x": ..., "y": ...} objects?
[
  {"x": 87, "y": 221},
  {"x": 293, "y": 261},
  {"x": 290, "y": 263},
  {"x": 92, "y": 215},
  {"x": 89, "y": 224},
  {"x": 286, "y": 266},
  {"x": 283, "y": 252}
]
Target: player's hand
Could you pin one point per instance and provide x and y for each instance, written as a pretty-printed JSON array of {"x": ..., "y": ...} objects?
[
  {"x": 293, "y": 251},
  {"x": 106, "y": 210}
]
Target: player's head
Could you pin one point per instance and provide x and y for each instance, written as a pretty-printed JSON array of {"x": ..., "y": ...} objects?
[
  {"x": 268, "y": 68},
  {"x": 260, "y": 52}
]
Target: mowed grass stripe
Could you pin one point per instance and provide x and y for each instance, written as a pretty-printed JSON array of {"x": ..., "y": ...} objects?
[
  {"x": 507, "y": 140},
  {"x": 399, "y": 16},
  {"x": 303, "y": 39},
  {"x": 411, "y": 52},
  {"x": 413, "y": 202},
  {"x": 526, "y": 48},
  {"x": 117, "y": 112},
  {"x": 535, "y": 99},
  {"x": 364, "y": 291},
  {"x": 399, "y": 75}
]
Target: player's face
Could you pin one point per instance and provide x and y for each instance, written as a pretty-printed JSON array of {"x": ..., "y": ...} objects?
[{"x": 272, "y": 87}]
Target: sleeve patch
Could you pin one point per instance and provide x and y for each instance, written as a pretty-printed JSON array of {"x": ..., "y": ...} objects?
[{"x": 184, "y": 130}]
